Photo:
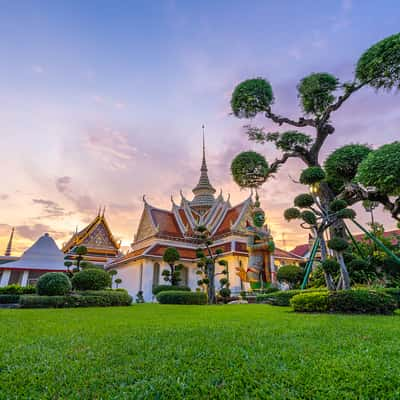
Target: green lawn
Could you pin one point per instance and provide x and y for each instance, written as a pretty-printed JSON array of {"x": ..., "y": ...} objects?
[{"x": 197, "y": 352}]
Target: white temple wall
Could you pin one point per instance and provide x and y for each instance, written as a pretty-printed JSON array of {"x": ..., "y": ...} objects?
[
  {"x": 130, "y": 276},
  {"x": 5, "y": 277}
]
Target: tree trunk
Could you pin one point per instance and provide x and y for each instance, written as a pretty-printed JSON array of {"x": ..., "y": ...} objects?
[
  {"x": 211, "y": 284},
  {"x": 343, "y": 272},
  {"x": 328, "y": 278}
]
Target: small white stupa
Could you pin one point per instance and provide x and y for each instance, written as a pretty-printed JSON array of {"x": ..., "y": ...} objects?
[{"x": 43, "y": 256}]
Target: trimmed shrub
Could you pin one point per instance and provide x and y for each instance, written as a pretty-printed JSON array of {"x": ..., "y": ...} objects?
[
  {"x": 181, "y": 297},
  {"x": 17, "y": 289},
  {"x": 361, "y": 302},
  {"x": 303, "y": 200},
  {"x": 312, "y": 175},
  {"x": 394, "y": 292},
  {"x": 338, "y": 244},
  {"x": 164, "y": 288},
  {"x": 53, "y": 284},
  {"x": 310, "y": 302},
  {"x": 100, "y": 298},
  {"x": 282, "y": 298},
  {"x": 291, "y": 274},
  {"x": 292, "y": 213},
  {"x": 91, "y": 279},
  {"x": 9, "y": 298},
  {"x": 308, "y": 217}
]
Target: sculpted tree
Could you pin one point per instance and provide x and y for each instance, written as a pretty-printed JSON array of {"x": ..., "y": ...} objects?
[
  {"x": 321, "y": 95},
  {"x": 171, "y": 256}
]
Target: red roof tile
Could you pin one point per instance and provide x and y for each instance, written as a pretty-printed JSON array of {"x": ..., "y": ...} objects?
[
  {"x": 166, "y": 222},
  {"x": 230, "y": 218}
]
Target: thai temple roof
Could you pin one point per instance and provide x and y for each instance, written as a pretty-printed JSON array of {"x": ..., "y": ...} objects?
[
  {"x": 43, "y": 255},
  {"x": 203, "y": 191}
]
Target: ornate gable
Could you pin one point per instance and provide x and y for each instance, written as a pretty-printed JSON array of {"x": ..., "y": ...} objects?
[
  {"x": 146, "y": 226},
  {"x": 99, "y": 238}
]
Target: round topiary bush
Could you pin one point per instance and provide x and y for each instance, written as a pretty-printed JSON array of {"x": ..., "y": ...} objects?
[
  {"x": 303, "y": 200},
  {"x": 337, "y": 205},
  {"x": 53, "y": 284},
  {"x": 312, "y": 175},
  {"x": 91, "y": 279},
  {"x": 249, "y": 169},
  {"x": 338, "y": 244},
  {"x": 291, "y": 213},
  {"x": 251, "y": 97},
  {"x": 309, "y": 217},
  {"x": 348, "y": 213}
]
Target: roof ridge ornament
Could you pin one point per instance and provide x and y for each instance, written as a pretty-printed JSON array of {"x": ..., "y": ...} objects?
[{"x": 9, "y": 245}]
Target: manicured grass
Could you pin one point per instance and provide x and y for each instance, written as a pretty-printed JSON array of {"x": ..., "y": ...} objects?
[{"x": 154, "y": 351}]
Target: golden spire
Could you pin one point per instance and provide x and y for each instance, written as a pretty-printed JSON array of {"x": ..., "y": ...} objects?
[{"x": 9, "y": 245}]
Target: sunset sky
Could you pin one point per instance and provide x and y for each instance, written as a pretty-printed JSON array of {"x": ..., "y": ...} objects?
[{"x": 102, "y": 102}]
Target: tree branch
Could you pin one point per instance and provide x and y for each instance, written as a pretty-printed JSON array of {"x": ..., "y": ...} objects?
[{"x": 278, "y": 119}]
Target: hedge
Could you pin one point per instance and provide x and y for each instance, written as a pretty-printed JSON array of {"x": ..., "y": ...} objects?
[
  {"x": 80, "y": 299},
  {"x": 91, "y": 279},
  {"x": 394, "y": 292},
  {"x": 53, "y": 284},
  {"x": 358, "y": 301},
  {"x": 282, "y": 298},
  {"x": 181, "y": 297},
  {"x": 163, "y": 288},
  {"x": 17, "y": 289},
  {"x": 9, "y": 298}
]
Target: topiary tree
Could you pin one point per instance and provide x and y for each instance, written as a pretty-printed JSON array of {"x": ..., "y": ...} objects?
[
  {"x": 171, "y": 256},
  {"x": 290, "y": 274},
  {"x": 53, "y": 284},
  {"x": 208, "y": 257},
  {"x": 80, "y": 251},
  {"x": 91, "y": 279},
  {"x": 118, "y": 281},
  {"x": 320, "y": 96}
]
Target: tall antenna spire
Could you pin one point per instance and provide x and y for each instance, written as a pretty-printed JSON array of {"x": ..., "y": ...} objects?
[
  {"x": 9, "y": 245},
  {"x": 204, "y": 149}
]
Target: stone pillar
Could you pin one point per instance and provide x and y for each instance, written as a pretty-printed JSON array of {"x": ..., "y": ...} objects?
[
  {"x": 5, "y": 277},
  {"x": 24, "y": 280}
]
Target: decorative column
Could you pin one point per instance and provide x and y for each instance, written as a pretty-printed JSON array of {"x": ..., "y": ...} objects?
[
  {"x": 24, "y": 280},
  {"x": 5, "y": 277}
]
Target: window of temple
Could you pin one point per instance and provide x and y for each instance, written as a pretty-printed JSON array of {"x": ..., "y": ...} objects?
[
  {"x": 141, "y": 277},
  {"x": 156, "y": 273},
  {"x": 184, "y": 276},
  {"x": 33, "y": 277}
]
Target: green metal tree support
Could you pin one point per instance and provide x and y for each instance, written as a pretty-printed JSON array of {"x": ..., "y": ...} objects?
[{"x": 310, "y": 262}]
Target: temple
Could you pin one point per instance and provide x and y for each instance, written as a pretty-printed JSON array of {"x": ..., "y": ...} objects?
[
  {"x": 97, "y": 238},
  {"x": 159, "y": 229}
]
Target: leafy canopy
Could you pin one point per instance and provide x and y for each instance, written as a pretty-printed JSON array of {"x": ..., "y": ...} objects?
[
  {"x": 316, "y": 92},
  {"x": 171, "y": 255},
  {"x": 303, "y": 200},
  {"x": 312, "y": 175},
  {"x": 291, "y": 213},
  {"x": 249, "y": 169},
  {"x": 251, "y": 97},
  {"x": 381, "y": 169},
  {"x": 379, "y": 66},
  {"x": 341, "y": 165}
]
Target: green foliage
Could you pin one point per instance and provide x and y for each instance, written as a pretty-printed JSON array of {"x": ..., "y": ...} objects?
[
  {"x": 330, "y": 266},
  {"x": 291, "y": 213},
  {"x": 316, "y": 92},
  {"x": 53, "y": 284},
  {"x": 341, "y": 165},
  {"x": 361, "y": 271},
  {"x": 181, "y": 297},
  {"x": 347, "y": 213},
  {"x": 308, "y": 217},
  {"x": 91, "y": 279},
  {"x": 291, "y": 274},
  {"x": 338, "y": 244},
  {"x": 249, "y": 169},
  {"x": 17, "y": 289},
  {"x": 9, "y": 298},
  {"x": 80, "y": 250},
  {"x": 312, "y": 175},
  {"x": 251, "y": 97},
  {"x": 139, "y": 297},
  {"x": 337, "y": 205},
  {"x": 303, "y": 200},
  {"x": 379, "y": 66},
  {"x": 99, "y": 298},
  {"x": 163, "y": 288},
  {"x": 381, "y": 169},
  {"x": 361, "y": 301},
  {"x": 289, "y": 141},
  {"x": 310, "y": 302},
  {"x": 224, "y": 292},
  {"x": 281, "y": 298},
  {"x": 171, "y": 255}
]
